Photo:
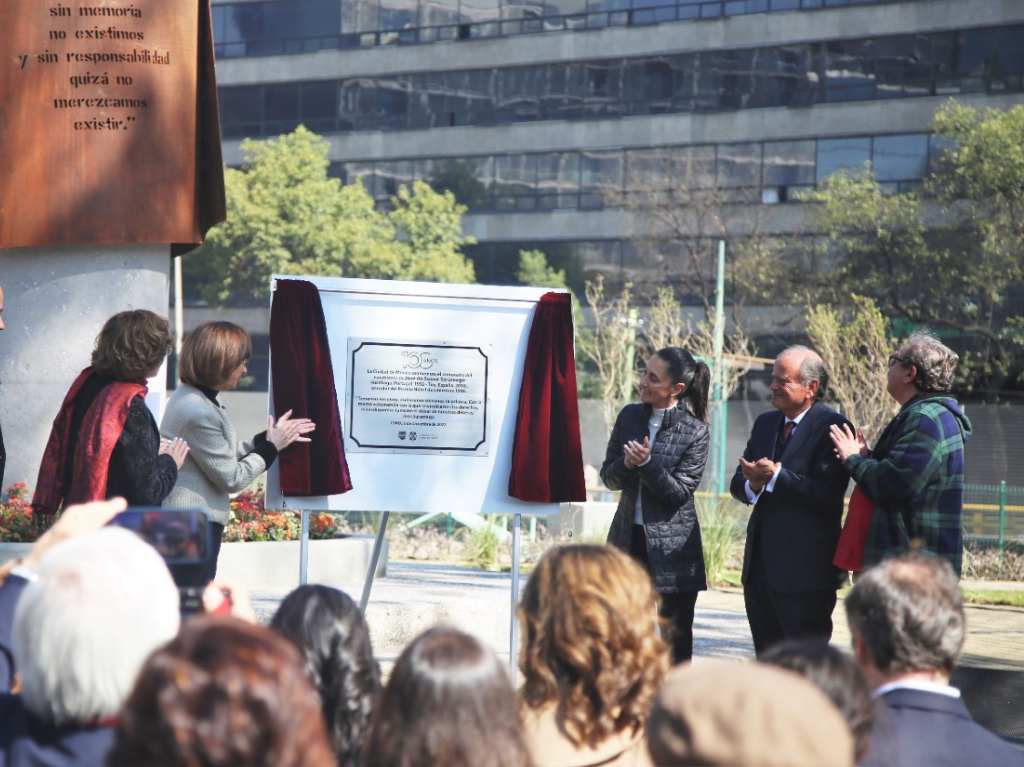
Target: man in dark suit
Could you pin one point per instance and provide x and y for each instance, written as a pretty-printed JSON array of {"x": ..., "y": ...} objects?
[
  {"x": 907, "y": 621},
  {"x": 791, "y": 476}
]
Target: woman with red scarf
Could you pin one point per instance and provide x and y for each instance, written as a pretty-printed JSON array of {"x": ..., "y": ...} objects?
[{"x": 104, "y": 442}]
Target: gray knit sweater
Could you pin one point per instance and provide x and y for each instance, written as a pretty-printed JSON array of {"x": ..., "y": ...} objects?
[{"x": 217, "y": 464}]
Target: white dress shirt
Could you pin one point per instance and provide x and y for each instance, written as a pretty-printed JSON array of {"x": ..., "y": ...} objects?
[
  {"x": 770, "y": 485},
  {"x": 917, "y": 684},
  {"x": 653, "y": 425}
]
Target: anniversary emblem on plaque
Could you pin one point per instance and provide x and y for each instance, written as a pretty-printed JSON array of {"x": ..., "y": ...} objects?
[{"x": 417, "y": 397}]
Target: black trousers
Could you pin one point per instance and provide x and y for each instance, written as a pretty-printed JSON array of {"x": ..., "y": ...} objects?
[
  {"x": 216, "y": 533},
  {"x": 776, "y": 615},
  {"x": 676, "y": 608}
]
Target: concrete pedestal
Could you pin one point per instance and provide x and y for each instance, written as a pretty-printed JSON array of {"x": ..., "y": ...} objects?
[{"x": 56, "y": 300}]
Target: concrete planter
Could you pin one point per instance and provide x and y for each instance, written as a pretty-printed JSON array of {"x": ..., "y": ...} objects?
[
  {"x": 9, "y": 551},
  {"x": 274, "y": 565}
]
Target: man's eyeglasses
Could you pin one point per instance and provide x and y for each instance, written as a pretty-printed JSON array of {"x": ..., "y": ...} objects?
[{"x": 894, "y": 358}]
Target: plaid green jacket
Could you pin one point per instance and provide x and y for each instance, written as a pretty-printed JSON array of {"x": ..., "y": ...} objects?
[{"x": 915, "y": 476}]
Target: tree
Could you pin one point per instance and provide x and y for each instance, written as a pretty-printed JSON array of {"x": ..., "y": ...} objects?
[
  {"x": 855, "y": 345},
  {"x": 535, "y": 270},
  {"x": 286, "y": 216},
  {"x": 610, "y": 346},
  {"x": 947, "y": 255},
  {"x": 666, "y": 326},
  {"x": 681, "y": 209}
]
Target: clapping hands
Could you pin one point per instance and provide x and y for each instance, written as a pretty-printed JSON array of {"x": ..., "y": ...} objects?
[{"x": 635, "y": 453}]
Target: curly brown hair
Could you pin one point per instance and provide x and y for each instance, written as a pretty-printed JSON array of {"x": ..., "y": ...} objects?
[
  {"x": 222, "y": 693},
  {"x": 591, "y": 641},
  {"x": 131, "y": 345}
]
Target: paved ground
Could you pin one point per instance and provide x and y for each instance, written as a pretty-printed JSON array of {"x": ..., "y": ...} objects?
[{"x": 415, "y": 596}]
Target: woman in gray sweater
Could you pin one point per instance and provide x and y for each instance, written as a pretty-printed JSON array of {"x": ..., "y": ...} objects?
[{"x": 213, "y": 359}]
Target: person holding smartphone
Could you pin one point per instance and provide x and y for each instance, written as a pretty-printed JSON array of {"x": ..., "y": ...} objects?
[{"x": 213, "y": 359}]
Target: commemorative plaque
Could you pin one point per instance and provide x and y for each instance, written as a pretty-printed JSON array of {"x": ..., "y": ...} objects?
[{"x": 417, "y": 397}]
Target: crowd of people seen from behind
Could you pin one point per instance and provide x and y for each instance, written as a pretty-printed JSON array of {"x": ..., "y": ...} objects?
[
  {"x": 98, "y": 667},
  {"x": 103, "y": 662}
]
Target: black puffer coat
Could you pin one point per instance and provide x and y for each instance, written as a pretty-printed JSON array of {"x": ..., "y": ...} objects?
[{"x": 669, "y": 481}]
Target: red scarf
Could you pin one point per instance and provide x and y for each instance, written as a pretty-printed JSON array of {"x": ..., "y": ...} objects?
[{"x": 101, "y": 427}]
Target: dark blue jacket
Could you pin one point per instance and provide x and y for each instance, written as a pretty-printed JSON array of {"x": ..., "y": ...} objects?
[
  {"x": 25, "y": 741},
  {"x": 914, "y": 728},
  {"x": 10, "y": 593}
]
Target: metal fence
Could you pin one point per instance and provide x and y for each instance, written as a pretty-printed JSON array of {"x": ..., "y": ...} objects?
[{"x": 994, "y": 514}]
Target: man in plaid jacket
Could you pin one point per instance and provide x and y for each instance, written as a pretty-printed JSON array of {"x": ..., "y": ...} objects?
[{"x": 915, "y": 474}]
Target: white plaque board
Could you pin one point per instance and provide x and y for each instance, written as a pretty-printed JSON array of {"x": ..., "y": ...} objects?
[
  {"x": 427, "y": 397},
  {"x": 441, "y": 474}
]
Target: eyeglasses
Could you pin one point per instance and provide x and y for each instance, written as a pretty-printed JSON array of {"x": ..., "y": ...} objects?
[{"x": 894, "y": 358}]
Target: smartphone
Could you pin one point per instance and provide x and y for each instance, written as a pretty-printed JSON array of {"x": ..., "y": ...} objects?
[{"x": 181, "y": 537}]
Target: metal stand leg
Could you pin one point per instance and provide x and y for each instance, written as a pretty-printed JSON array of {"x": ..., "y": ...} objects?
[
  {"x": 378, "y": 544},
  {"x": 513, "y": 630},
  {"x": 304, "y": 547}
]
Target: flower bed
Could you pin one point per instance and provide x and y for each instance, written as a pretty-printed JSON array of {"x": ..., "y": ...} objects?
[{"x": 250, "y": 521}]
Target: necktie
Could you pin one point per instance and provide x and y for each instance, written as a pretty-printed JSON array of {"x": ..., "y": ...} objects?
[{"x": 787, "y": 430}]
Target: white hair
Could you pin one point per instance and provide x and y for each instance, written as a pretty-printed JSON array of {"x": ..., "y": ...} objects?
[{"x": 102, "y": 603}]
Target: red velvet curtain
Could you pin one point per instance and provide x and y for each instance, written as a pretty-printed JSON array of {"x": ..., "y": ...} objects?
[
  {"x": 304, "y": 383},
  {"x": 547, "y": 458}
]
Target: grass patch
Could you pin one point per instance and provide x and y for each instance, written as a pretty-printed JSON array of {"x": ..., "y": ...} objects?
[{"x": 994, "y": 597}]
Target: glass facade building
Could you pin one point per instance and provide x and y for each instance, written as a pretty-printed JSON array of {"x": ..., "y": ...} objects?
[
  {"x": 797, "y": 75},
  {"x": 287, "y": 27},
  {"x": 552, "y": 119},
  {"x": 750, "y": 172}
]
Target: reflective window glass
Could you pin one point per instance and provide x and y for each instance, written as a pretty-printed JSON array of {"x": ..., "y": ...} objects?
[
  {"x": 558, "y": 179},
  {"x": 649, "y": 85},
  {"x": 902, "y": 65},
  {"x": 282, "y": 107},
  {"x": 391, "y": 104},
  {"x": 600, "y": 177},
  {"x": 653, "y": 11},
  {"x": 782, "y": 76},
  {"x": 602, "y": 87},
  {"x": 515, "y": 181},
  {"x": 562, "y": 97},
  {"x": 788, "y": 163},
  {"x": 241, "y": 110},
  {"x": 393, "y": 174},
  {"x": 399, "y": 14},
  {"x": 436, "y": 12},
  {"x": 518, "y": 94},
  {"x": 476, "y": 12},
  {"x": 739, "y": 165},
  {"x": 834, "y": 154},
  {"x": 849, "y": 71},
  {"x": 900, "y": 158},
  {"x": 738, "y": 7},
  {"x": 601, "y": 257}
]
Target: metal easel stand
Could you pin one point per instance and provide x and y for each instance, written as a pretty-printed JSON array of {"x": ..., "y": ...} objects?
[
  {"x": 513, "y": 629},
  {"x": 378, "y": 544},
  {"x": 303, "y": 547}
]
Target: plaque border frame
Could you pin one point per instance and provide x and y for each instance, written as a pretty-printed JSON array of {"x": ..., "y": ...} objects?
[{"x": 350, "y": 386}]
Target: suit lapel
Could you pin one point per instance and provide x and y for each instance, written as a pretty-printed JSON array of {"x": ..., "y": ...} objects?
[
  {"x": 804, "y": 430},
  {"x": 770, "y": 436}
]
